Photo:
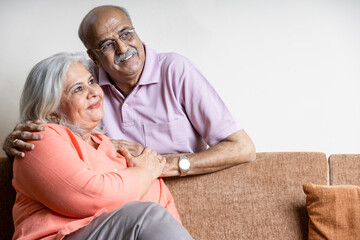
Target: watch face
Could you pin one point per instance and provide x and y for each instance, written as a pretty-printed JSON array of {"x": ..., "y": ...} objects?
[{"x": 184, "y": 163}]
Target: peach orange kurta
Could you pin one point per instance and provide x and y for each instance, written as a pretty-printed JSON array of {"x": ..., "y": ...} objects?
[{"x": 64, "y": 183}]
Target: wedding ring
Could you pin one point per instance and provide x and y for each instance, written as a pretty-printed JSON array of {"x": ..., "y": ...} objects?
[{"x": 15, "y": 141}]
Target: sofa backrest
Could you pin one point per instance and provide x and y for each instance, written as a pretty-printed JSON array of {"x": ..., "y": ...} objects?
[
  {"x": 344, "y": 169},
  {"x": 7, "y": 198},
  {"x": 260, "y": 200}
]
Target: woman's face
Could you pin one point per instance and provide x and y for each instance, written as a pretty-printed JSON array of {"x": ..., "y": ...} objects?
[{"x": 82, "y": 98}]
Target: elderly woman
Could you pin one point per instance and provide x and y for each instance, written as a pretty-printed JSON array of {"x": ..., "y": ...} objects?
[{"x": 74, "y": 185}]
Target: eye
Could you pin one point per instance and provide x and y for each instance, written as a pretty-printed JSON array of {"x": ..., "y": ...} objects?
[
  {"x": 91, "y": 81},
  {"x": 108, "y": 46},
  {"x": 78, "y": 89},
  {"x": 126, "y": 36}
]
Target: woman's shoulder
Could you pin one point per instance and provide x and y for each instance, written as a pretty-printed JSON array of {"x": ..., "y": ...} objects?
[
  {"x": 55, "y": 138},
  {"x": 54, "y": 126},
  {"x": 52, "y": 129},
  {"x": 55, "y": 132}
]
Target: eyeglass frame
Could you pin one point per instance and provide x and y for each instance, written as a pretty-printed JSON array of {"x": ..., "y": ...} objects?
[{"x": 132, "y": 30}]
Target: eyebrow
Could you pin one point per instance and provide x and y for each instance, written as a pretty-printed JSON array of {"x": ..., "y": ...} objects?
[
  {"x": 74, "y": 85},
  {"x": 107, "y": 39},
  {"x": 79, "y": 83}
]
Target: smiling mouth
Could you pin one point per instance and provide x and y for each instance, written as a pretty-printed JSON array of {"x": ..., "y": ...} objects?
[
  {"x": 127, "y": 58},
  {"x": 95, "y": 105}
]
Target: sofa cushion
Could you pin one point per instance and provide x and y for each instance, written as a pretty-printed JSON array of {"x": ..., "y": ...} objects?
[
  {"x": 334, "y": 211},
  {"x": 344, "y": 169},
  {"x": 259, "y": 200},
  {"x": 7, "y": 199}
]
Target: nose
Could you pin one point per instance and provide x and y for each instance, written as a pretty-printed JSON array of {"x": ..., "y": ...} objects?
[
  {"x": 93, "y": 91},
  {"x": 121, "y": 47}
]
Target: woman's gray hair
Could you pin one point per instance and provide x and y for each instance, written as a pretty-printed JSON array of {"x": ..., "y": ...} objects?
[{"x": 43, "y": 88}]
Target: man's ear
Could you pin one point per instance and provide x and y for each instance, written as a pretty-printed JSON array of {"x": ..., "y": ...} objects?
[{"x": 93, "y": 57}]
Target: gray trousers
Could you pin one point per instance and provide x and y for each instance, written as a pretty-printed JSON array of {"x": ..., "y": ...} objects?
[{"x": 135, "y": 220}]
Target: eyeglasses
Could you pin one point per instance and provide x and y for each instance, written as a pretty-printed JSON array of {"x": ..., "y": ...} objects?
[{"x": 110, "y": 46}]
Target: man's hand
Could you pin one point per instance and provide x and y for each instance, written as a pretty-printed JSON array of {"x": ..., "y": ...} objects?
[
  {"x": 134, "y": 148},
  {"x": 15, "y": 142}
]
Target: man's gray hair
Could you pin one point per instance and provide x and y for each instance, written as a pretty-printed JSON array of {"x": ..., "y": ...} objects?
[{"x": 83, "y": 28}]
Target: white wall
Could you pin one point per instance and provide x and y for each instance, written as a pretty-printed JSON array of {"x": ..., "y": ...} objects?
[{"x": 288, "y": 69}]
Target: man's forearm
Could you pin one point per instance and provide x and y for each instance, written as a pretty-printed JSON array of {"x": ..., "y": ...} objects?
[{"x": 236, "y": 149}]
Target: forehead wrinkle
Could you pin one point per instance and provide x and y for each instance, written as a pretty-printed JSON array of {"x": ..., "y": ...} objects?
[
  {"x": 111, "y": 24},
  {"x": 109, "y": 30}
]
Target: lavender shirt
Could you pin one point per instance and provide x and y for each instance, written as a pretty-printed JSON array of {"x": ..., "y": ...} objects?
[{"x": 173, "y": 108}]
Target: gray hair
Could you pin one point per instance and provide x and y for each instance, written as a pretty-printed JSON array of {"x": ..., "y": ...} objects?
[
  {"x": 83, "y": 28},
  {"x": 43, "y": 89}
]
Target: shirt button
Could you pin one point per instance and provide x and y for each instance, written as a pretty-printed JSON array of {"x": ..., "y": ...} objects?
[{"x": 125, "y": 105}]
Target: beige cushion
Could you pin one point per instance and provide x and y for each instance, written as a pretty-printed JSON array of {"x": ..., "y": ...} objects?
[{"x": 334, "y": 211}]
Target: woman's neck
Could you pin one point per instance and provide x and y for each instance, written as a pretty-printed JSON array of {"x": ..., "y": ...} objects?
[
  {"x": 87, "y": 138},
  {"x": 84, "y": 134}
]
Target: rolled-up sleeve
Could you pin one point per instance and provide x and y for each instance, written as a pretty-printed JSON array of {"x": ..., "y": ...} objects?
[{"x": 204, "y": 107}]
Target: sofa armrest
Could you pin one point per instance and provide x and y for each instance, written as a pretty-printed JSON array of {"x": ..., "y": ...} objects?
[{"x": 7, "y": 198}]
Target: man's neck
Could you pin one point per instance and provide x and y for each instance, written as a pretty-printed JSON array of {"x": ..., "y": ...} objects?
[{"x": 125, "y": 87}]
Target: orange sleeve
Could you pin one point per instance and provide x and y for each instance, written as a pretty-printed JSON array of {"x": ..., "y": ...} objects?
[{"x": 55, "y": 175}]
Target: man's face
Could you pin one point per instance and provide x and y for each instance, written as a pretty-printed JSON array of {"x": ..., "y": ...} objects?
[{"x": 109, "y": 26}]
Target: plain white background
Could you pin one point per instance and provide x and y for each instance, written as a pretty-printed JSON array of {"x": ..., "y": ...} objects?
[{"x": 289, "y": 70}]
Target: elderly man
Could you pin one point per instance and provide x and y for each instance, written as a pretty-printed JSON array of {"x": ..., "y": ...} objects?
[{"x": 160, "y": 100}]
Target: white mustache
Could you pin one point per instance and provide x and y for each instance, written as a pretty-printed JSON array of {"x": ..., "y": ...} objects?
[{"x": 122, "y": 56}]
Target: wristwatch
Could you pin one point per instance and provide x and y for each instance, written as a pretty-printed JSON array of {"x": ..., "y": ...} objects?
[{"x": 184, "y": 165}]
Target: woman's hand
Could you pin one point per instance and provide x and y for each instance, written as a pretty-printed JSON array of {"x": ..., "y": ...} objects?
[
  {"x": 148, "y": 159},
  {"x": 15, "y": 144}
]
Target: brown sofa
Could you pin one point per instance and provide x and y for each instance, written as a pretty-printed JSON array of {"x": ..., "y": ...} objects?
[{"x": 259, "y": 200}]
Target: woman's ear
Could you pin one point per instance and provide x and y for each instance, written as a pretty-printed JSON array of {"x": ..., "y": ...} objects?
[{"x": 93, "y": 57}]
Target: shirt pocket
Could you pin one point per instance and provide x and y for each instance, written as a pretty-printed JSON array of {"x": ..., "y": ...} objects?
[{"x": 168, "y": 137}]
